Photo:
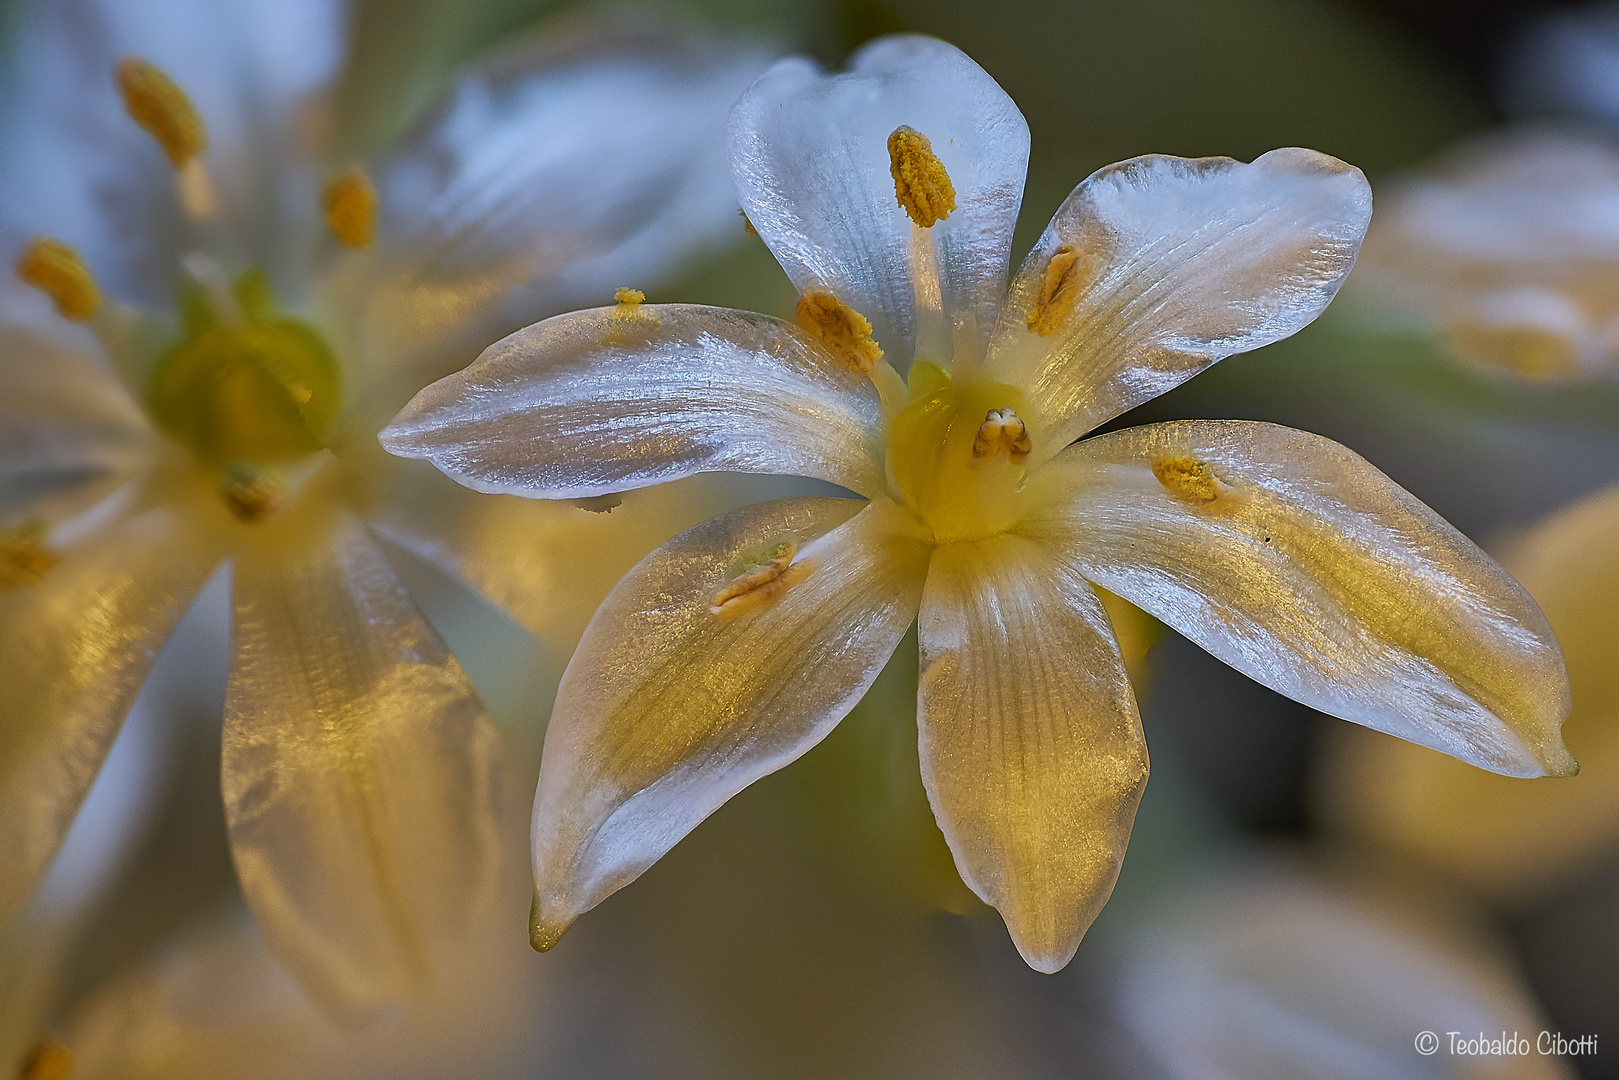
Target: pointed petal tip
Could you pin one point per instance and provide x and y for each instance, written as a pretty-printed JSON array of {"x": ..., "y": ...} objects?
[
  {"x": 1559, "y": 762},
  {"x": 1049, "y": 958},
  {"x": 545, "y": 932}
]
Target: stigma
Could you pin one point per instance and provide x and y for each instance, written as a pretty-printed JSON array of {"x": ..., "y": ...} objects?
[
  {"x": 57, "y": 271},
  {"x": 1002, "y": 429},
  {"x": 921, "y": 183}
]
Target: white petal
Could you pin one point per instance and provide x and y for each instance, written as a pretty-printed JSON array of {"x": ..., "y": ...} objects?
[
  {"x": 625, "y": 397},
  {"x": 1032, "y": 750},
  {"x": 1182, "y": 262},
  {"x": 1314, "y": 574},
  {"x": 667, "y": 710},
  {"x": 563, "y": 169},
  {"x": 810, "y": 157},
  {"x": 358, "y": 773},
  {"x": 76, "y": 648}
]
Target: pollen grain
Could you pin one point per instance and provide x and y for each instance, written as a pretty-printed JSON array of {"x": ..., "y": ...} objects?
[
  {"x": 350, "y": 205},
  {"x": 844, "y": 331},
  {"x": 1186, "y": 478},
  {"x": 921, "y": 183},
  {"x": 1059, "y": 290}
]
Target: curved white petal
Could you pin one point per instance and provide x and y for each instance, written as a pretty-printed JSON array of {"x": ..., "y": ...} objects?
[
  {"x": 77, "y": 646},
  {"x": 628, "y": 396},
  {"x": 563, "y": 169},
  {"x": 1032, "y": 751},
  {"x": 810, "y": 156},
  {"x": 359, "y": 773},
  {"x": 1505, "y": 838},
  {"x": 1313, "y": 573},
  {"x": 667, "y": 709},
  {"x": 1181, "y": 262}
]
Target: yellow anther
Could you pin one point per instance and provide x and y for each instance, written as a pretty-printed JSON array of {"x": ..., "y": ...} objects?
[
  {"x": 844, "y": 331},
  {"x": 162, "y": 109},
  {"x": 350, "y": 204},
  {"x": 1059, "y": 290},
  {"x": 24, "y": 559},
  {"x": 49, "y": 1060},
  {"x": 747, "y": 226},
  {"x": 921, "y": 185},
  {"x": 628, "y": 296},
  {"x": 1187, "y": 478},
  {"x": 760, "y": 584},
  {"x": 1002, "y": 429},
  {"x": 252, "y": 494},
  {"x": 57, "y": 271}
]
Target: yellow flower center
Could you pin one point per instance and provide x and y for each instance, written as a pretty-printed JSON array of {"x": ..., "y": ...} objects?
[
  {"x": 957, "y": 454},
  {"x": 246, "y": 387}
]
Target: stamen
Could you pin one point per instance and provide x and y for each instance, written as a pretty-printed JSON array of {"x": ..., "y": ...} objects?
[
  {"x": 921, "y": 184},
  {"x": 350, "y": 204},
  {"x": 747, "y": 226},
  {"x": 1002, "y": 429},
  {"x": 162, "y": 109},
  {"x": 1065, "y": 274},
  {"x": 844, "y": 331},
  {"x": 57, "y": 271},
  {"x": 252, "y": 494},
  {"x": 761, "y": 584},
  {"x": 1187, "y": 478},
  {"x": 49, "y": 1060},
  {"x": 23, "y": 557},
  {"x": 631, "y": 297}
]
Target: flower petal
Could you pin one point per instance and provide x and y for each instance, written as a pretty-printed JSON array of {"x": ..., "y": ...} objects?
[
  {"x": 1514, "y": 841},
  {"x": 77, "y": 647},
  {"x": 633, "y": 395},
  {"x": 667, "y": 709},
  {"x": 1032, "y": 750},
  {"x": 810, "y": 156},
  {"x": 358, "y": 772},
  {"x": 1297, "y": 563},
  {"x": 1180, "y": 262},
  {"x": 566, "y": 167}
]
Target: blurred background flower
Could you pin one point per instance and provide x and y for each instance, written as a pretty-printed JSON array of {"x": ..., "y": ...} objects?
[{"x": 814, "y": 926}]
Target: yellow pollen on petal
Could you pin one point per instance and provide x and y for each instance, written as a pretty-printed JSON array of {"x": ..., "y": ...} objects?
[
  {"x": 162, "y": 109},
  {"x": 24, "y": 559},
  {"x": 1187, "y": 478},
  {"x": 350, "y": 206},
  {"x": 632, "y": 297},
  {"x": 1002, "y": 429},
  {"x": 844, "y": 331},
  {"x": 747, "y": 226},
  {"x": 760, "y": 584},
  {"x": 49, "y": 1060},
  {"x": 56, "y": 270},
  {"x": 1059, "y": 289},
  {"x": 252, "y": 495},
  {"x": 921, "y": 183}
]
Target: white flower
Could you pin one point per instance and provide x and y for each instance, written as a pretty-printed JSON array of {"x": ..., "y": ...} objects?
[
  {"x": 358, "y": 762},
  {"x": 889, "y": 196}
]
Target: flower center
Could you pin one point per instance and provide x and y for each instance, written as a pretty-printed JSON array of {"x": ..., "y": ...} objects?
[
  {"x": 957, "y": 454},
  {"x": 246, "y": 387}
]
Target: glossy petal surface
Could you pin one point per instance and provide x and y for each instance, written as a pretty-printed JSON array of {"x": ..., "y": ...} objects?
[
  {"x": 1313, "y": 573},
  {"x": 810, "y": 156},
  {"x": 487, "y": 226},
  {"x": 1032, "y": 750},
  {"x": 629, "y": 396},
  {"x": 76, "y": 648},
  {"x": 358, "y": 772},
  {"x": 667, "y": 710},
  {"x": 1181, "y": 262}
]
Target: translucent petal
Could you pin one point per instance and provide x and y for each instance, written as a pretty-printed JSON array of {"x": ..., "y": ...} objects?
[
  {"x": 561, "y": 170},
  {"x": 667, "y": 710},
  {"x": 358, "y": 773},
  {"x": 1507, "y": 839},
  {"x": 624, "y": 397},
  {"x": 1311, "y": 572},
  {"x": 810, "y": 156},
  {"x": 1032, "y": 750},
  {"x": 77, "y": 646},
  {"x": 1181, "y": 262}
]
